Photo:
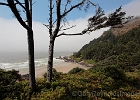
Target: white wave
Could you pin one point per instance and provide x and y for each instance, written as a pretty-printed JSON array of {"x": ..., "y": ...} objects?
[
  {"x": 57, "y": 61},
  {"x": 16, "y": 66},
  {"x": 20, "y": 65}
]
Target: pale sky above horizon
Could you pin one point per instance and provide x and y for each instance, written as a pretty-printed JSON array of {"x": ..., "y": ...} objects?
[{"x": 13, "y": 36}]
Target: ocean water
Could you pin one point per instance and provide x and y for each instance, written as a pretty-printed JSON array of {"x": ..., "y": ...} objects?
[{"x": 19, "y": 60}]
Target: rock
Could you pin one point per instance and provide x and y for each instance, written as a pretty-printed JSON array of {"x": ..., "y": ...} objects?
[{"x": 25, "y": 77}]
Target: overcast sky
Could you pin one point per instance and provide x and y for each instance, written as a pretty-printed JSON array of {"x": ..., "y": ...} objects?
[{"x": 13, "y": 36}]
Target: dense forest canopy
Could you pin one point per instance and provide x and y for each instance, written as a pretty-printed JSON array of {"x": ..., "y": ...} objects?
[{"x": 121, "y": 50}]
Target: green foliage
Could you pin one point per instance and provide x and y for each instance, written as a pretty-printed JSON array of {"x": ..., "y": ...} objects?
[
  {"x": 90, "y": 61},
  {"x": 10, "y": 76},
  {"x": 42, "y": 84},
  {"x": 100, "y": 82},
  {"x": 76, "y": 70},
  {"x": 53, "y": 71},
  {"x": 117, "y": 75},
  {"x": 80, "y": 86},
  {"x": 122, "y": 51},
  {"x": 77, "y": 59},
  {"x": 114, "y": 72},
  {"x": 8, "y": 85},
  {"x": 56, "y": 75}
]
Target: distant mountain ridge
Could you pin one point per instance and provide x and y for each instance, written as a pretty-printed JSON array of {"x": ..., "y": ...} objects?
[{"x": 119, "y": 47}]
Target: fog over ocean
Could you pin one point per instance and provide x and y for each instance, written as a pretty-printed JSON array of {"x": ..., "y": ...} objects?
[{"x": 19, "y": 60}]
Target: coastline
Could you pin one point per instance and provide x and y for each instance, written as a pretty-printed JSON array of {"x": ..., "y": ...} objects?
[{"x": 63, "y": 67}]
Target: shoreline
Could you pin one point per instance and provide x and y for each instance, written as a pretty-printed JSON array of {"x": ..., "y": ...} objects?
[{"x": 63, "y": 67}]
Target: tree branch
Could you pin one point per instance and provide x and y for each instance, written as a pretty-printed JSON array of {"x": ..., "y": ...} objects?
[
  {"x": 85, "y": 31},
  {"x": 66, "y": 6},
  {"x": 28, "y": 12},
  {"x": 4, "y": 4},
  {"x": 20, "y": 4},
  {"x": 47, "y": 26},
  {"x": 99, "y": 21},
  {"x": 67, "y": 28},
  {"x": 58, "y": 4},
  {"x": 66, "y": 12},
  {"x": 16, "y": 13},
  {"x": 51, "y": 18},
  {"x": 92, "y": 3},
  {"x": 69, "y": 34},
  {"x": 59, "y": 16}
]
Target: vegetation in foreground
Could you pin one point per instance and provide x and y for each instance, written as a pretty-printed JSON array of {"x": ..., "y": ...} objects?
[{"x": 102, "y": 83}]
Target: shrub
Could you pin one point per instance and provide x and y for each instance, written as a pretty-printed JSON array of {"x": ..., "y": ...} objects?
[
  {"x": 9, "y": 87},
  {"x": 90, "y": 61},
  {"x": 76, "y": 70},
  {"x": 42, "y": 84},
  {"x": 53, "y": 71},
  {"x": 87, "y": 85},
  {"x": 77, "y": 59},
  {"x": 114, "y": 72},
  {"x": 117, "y": 74},
  {"x": 56, "y": 75}
]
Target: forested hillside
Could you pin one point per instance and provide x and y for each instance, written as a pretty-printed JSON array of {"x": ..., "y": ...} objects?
[{"x": 123, "y": 50}]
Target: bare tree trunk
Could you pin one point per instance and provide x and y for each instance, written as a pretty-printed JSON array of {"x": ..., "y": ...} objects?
[
  {"x": 28, "y": 10},
  {"x": 28, "y": 5},
  {"x": 50, "y": 60},
  {"x": 31, "y": 61}
]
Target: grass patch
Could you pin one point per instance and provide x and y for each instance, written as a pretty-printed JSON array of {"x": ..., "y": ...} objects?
[{"x": 90, "y": 61}]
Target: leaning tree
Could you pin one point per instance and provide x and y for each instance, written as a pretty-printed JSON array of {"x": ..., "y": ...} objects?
[
  {"x": 57, "y": 18},
  {"x": 26, "y": 7}
]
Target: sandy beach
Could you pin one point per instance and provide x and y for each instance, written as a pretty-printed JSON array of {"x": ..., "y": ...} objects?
[{"x": 63, "y": 67}]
